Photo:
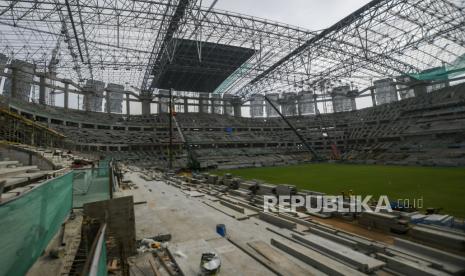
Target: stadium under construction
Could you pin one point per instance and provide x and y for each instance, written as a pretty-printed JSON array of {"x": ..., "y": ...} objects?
[{"x": 170, "y": 137}]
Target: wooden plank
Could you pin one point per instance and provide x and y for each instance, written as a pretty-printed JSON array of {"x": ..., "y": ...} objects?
[
  {"x": 154, "y": 268},
  {"x": 289, "y": 267},
  {"x": 273, "y": 267}
]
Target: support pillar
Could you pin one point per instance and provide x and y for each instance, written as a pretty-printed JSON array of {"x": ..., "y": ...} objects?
[
  {"x": 236, "y": 103},
  {"x": 86, "y": 103},
  {"x": 128, "y": 104},
  {"x": 145, "y": 106},
  {"x": 315, "y": 103},
  {"x": 32, "y": 135},
  {"x": 66, "y": 96},
  {"x": 212, "y": 104},
  {"x": 373, "y": 98},
  {"x": 237, "y": 110},
  {"x": 186, "y": 105},
  {"x": 420, "y": 89},
  {"x": 42, "y": 90},
  {"x": 14, "y": 82},
  {"x": 87, "y": 100},
  {"x": 107, "y": 101},
  {"x": 353, "y": 103},
  {"x": 171, "y": 129},
  {"x": 159, "y": 105},
  {"x": 201, "y": 105}
]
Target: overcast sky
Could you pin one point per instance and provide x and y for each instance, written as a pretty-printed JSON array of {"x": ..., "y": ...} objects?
[{"x": 309, "y": 14}]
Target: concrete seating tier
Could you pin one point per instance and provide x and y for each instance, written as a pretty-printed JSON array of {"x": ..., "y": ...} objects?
[{"x": 424, "y": 130}]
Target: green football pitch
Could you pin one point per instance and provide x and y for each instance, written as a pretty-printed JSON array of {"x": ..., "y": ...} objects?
[{"x": 438, "y": 187}]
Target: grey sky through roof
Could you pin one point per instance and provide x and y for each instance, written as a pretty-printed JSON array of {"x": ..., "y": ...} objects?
[{"x": 309, "y": 14}]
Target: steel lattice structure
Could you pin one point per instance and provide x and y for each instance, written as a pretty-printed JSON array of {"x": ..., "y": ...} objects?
[
  {"x": 121, "y": 41},
  {"x": 385, "y": 38},
  {"x": 130, "y": 41}
]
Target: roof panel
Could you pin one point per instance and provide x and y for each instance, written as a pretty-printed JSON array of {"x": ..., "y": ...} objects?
[{"x": 201, "y": 66}]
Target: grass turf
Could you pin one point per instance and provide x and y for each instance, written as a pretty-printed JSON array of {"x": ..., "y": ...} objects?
[{"x": 439, "y": 187}]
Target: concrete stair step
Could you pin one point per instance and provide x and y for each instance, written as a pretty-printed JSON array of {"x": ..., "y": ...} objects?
[
  {"x": 9, "y": 172},
  {"x": 23, "y": 179},
  {"x": 9, "y": 164}
]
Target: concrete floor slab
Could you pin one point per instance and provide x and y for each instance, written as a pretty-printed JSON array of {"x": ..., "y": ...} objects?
[{"x": 189, "y": 221}]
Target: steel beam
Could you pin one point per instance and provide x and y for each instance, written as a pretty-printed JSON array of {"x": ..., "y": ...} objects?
[{"x": 302, "y": 139}]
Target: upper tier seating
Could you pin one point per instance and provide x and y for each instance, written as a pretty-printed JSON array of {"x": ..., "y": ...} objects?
[{"x": 427, "y": 130}]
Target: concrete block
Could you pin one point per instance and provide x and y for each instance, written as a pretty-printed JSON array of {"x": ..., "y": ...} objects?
[
  {"x": 297, "y": 220},
  {"x": 451, "y": 263},
  {"x": 285, "y": 189},
  {"x": 314, "y": 258},
  {"x": 248, "y": 206},
  {"x": 227, "y": 211},
  {"x": 408, "y": 267},
  {"x": 363, "y": 243},
  {"x": 240, "y": 192},
  {"x": 266, "y": 189},
  {"x": 277, "y": 221},
  {"x": 232, "y": 206},
  {"x": 378, "y": 220},
  {"x": 362, "y": 262},
  {"x": 232, "y": 183},
  {"x": 247, "y": 185},
  {"x": 328, "y": 235},
  {"x": 446, "y": 239},
  {"x": 212, "y": 179}
]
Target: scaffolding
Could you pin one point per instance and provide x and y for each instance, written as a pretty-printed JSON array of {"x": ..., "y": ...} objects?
[{"x": 18, "y": 129}]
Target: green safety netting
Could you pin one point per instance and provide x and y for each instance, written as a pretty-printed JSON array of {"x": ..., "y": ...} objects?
[
  {"x": 104, "y": 163},
  {"x": 102, "y": 262},
  {"x": 29, "y": 222},
  {"x": 90, "y": 185},
  {"x": 449, "y": 71}
]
